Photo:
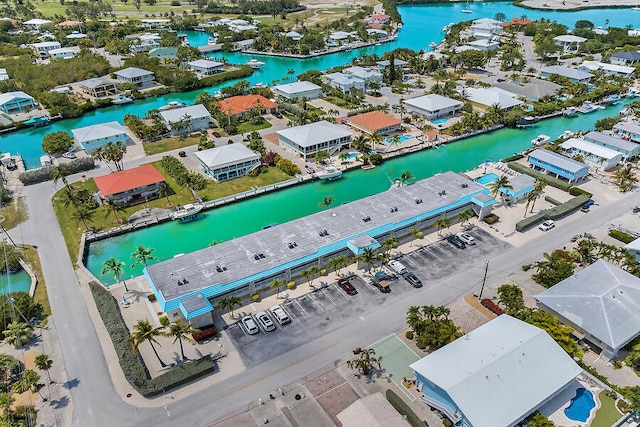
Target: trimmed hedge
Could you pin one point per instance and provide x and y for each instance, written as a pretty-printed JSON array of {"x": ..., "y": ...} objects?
[
  {"x": 577, "y": 191},
  {"x": 512, "y": 158},
  {"x": 552, "y": 200},
  {"x": 36, "y": 176},
  {"x": 621, "y": 235},
  {"x": 208, "y": 332},
  {"x": 132, "y": 365},
  {"x": 530, "y": 221},
  {"x": 554, "y": 182},
  {"x": 553, "y": 213},
  {"x": 402, "y": 408},
  {"x": 491, "y": 218}
]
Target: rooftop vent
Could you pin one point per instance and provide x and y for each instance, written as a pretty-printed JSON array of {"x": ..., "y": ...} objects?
[
  {"x": 292, "y": 245},
  {"x": 442, "y": 193},
  {"x": 182, "y": 281},
  {"x": 220, "y": 268},
  {"x": 393, "y": 209},
  {"x": 464, "y": 185},
  {"x": 323, "y": 233},
  {"x": 418, "y": 201},
  {"x": 258, "y": 256},
  {"x": 366, "y": 219}
]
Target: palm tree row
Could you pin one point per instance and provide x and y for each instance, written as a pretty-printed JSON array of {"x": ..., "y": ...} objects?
[
  {"x": 144, "y": 331},
  {"x": 115, "y": 267}
]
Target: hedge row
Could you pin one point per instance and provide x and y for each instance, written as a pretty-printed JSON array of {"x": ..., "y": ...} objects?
[
  {"x": 552, "y": 200},
  {"x": 132, "y": 365},
  {"x": 576, "y": 191},
  {"x": 173, "y": 166},
  {"x": 554, "y": 182},
  {"x": 512, "y": 158},
  {"x": 621, "y": 235},
  {"x": 553, "y": 213},
  {"x": 404, "y": 409},
  {"x": 36, "y": 176},
  {"x": 241, "y": 72},
  {"x": 530, "y": 221}
]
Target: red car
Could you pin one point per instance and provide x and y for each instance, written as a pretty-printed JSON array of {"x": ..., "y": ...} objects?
[{"x": 347, "y": 287}]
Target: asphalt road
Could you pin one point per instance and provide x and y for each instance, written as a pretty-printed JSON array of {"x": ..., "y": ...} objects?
[{"x": 95, "y": 401}]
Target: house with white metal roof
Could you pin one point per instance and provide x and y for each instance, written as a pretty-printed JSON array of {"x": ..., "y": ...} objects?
[
  {"x": 298, "y": 90},
  {"x": 634, "y": 249},
  {"x": 35, "y": 24},
  {"x": 63, "y": 53},
  {"x": 204, "y": 67},
  {"x": 488, "y": 97},
  {"x": 569, "y": 43},
  {"x": 558, "y": 165},
  {"x": 43, "y": 48},
  {"x": 16, "y": 102},
  {"x": 433, "y": 106},
  {"x": 294, "y": 35},
  {"x": 521, "y": 186},
  {"x": 572, "y": 74},
  {"x": 227, "y": 161},
  {"x": 629, "y": 149},
  {"x": 609, "y": 69},
  {"x": 344, "y": 82},
  {"x": 306, "y": 140},
  {"x": 496, "y": 375},
  {"x": 366, "y": 74},
  {"x": 627, "y": 130},
  {"x": 141, "y": 78},
  {"x": 3, "y": 74},
  {"x": 593, "y": 154},
  {"x": 186, "y": 119},
  {"x": 600, "y": 302},
  {"x": 90, "y": 138}
]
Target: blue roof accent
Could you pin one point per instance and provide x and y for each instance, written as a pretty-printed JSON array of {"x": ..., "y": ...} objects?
[{"x": 195, "y": 306}]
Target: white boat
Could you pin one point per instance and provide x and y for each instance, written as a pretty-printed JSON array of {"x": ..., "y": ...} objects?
[
  {"x": 569, "y": 111},
  {"x": 329, "y": 173},
  {"x": 260, "y": 85},
  {"x": 122, "y": 100},
  {"x": 566, "y": 134},
  {"x": 255, "y": 64},
  {"x": 467, "y": 10},
  {"x": 211, "y": 41},
  {"x": 635, "y": 8},
  {"x": 172, "y": 105},
  {"x": 45, "y": 161},
  {"x": 186, "y": 213},
  {"x": 611, "y": 99},
  {"x": 433, "y": 45},
  {"x": 586, "y": 108},
  {"x": 540, "y": 139}
]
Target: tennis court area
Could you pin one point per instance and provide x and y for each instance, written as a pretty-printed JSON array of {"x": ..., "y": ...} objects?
[{"x": 396, "y": 358}]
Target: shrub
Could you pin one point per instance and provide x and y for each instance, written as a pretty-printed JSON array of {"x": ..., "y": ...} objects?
[
  {"x": 526, "y": 267},
  {"x": 182, "y": 154},
  {"x": 81, "y": 164},
  {"x": 577, "y": 191},
  {"x": 291, "y": 285},
  {"x": 554, "y": 182},
  {"x": 490, "y": 219},
  {"x": 287, "y": 166},
  {"x": 621, "y": 236},
  {"x": 552, "y": 200},
  {"x": 402, "y": 408},
  {"x": 152, "y": 297},
  {"x": 421, "y": 343},
  {"x": 255, "y": 297},
  {"x": 409, "y": 335},
  {"x": 175, "y": 3},
  {"x": 376, "y": 159},
  {"x": 491, "y": 306},
  {"x": 164, "y": 320},
  {"x": 207, "y": 332},
  {"x": 35, "y": 176},
  {"x": 512, "y": 158}
]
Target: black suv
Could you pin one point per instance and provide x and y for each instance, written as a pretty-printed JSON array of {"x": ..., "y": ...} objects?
[
  {"x": 413, "y": 280},
  {"x": 456, "y": 241}
]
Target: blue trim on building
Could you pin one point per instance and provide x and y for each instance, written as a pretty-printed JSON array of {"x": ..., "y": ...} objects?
[{"x": 199, "y": 312}]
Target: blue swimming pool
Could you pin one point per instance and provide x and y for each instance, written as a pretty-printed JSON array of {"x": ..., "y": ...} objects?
[
  {"x": 580, "y": 406},
  {"x": 439, "y": 121},
  {"x": 487, "y": 178},
  {"x": 402, "y": 138}
]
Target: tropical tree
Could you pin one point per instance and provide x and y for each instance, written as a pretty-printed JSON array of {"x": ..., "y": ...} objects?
[
  {"x": 18, "y": 333},
  {"x": 164, "y": 190},
  {"x": 390, "y": 243},
  {"x": 586, "y": 245},
  {"x": 44, "y": 363},
  {"x": 98, "y": 154},
  {"x": 368, "y": 256},
  {"x": 308, "y": 276},
  {"x": 382, "y": 258},
  {"x": 465, "y": 216},
  {"x": 326, "y": 202},
  {"x": 405, "y": 176},
  {"x": 341, "y": 262},
  {"x": 114, "y": 206},
  {"x": 416, "y": 233},
  {"x": 181, "y": 331},
  {"x": 229, "y": 303},
  {"x": 344, "y": 156},
  {"x": 275, "y": 284},
  {"x": 60, "y": 173},
  {"x": 28, "y": 381},
  {"x": 625, "y": 178},
  {"x": 441, "y": 223},
  {"x": 510, "y": 296},
  {"x": 82, "y": 215},
  {"x": 113, "y": 266},
  {"x": 552, "y": 269},
  {"x": 366, "y": 361},
  {"x": 498, "y": 184},
  {"x": 142, "y": 256},
  {"x": 143, "y": 331},
  {"x": 375, "y": 138},
  {"x": 322, "y": 156}
]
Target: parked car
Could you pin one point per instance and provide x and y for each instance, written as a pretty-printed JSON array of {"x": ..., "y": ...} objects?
[
  {"x": 413, "y": 280},
  {"x": 280, "y": 315},
  {"x": 277, "y": 115},
  {"x": 265, "y": 321},
  {"x": 381, "y": 281},
  {"x": 250, "y": 325},
  {"x": 466, "y": 238},
  {"x": 216, "y": 134},
  {"x": 347, "y": 287},
  {"x": 585, "y": 207},
  {"x": 547, "y": 225},
  {"x": 69, "y": 155},
  {"x": 456, "y": 241},
  {"x": 397, "y": 266}
]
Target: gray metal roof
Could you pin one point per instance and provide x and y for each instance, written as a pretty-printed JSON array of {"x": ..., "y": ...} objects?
[
  {"x": 630, "y": 55},
  {"x": 432, "y": 102},
  {"x": 133, "y": 72},
  {"x": 613, "y": 141},
  {"x": 314, "y": 133},
  {"x": 602, "y": 299},
  {"x": 10, "y": 96},
  {"x": 362, "y": 73},
  {"x": 226, "y": 155},
  {"x": 100, "y": 130},
  {"x": 500, "y": 372},
  {"x": 627, "y": 127},
  {"x": 343, "y": 223},
  {"x": 521, "y": 183},
  {"x": 197, "y": 111},
  {"x": 535, "y": 89},
  {"x": 343, "y": 79},
  {"x": 557, "y": 160},
  {"x": 570, "y": 73},
  {"x": 204, "y": 63},
  {"x": 295, "y": 87},
  {"x": 95, "y": 82},
  {"x": 591, "y": 148},
  {"x": 491, "y": 96}
]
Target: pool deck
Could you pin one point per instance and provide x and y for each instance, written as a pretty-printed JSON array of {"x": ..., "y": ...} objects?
[{"x": 554, "y": 409}]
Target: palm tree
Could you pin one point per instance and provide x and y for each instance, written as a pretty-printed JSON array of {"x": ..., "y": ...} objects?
[
  {"x": 114, "y": 206},
  {"x": 326, "y": 202},
  {"x": 82, "y": 215},
  {"x": 414, "y": 316},
  {"x": 365, "y": 362},
  {"x": 343, "y": 156},
  {"x": 275, "y": 284},
  {"x": 142, "y": 256},
  {"x": 441, "y": 223},
  {"x": 144, "y": 331},
  {"x": 164, "y": 190},
  {"x": 625, "y": 178},
  {"x": 405, "y": 176},
  {"x": 44, "y": 363},
  {"x": 390, "y": 243},
  {"x": 341, "y": 262},
  {"x": 375, "y": 138},
  {"x": 499, "y": 184},
  {"x": 229, "y": 302},
  {"x": 368, "y": 256},
  {"x": 538, "y": 186},
  {"x": 394, "y": 141},
  {"x": 17, "y": 334},
  {"x": 60, "y": 173},
  {"x": 465, "y": 216},
  {"x": 416, "y": 233},
  {"x": 181, "y": 331},
  {"x": 308, "y": 276},
  {"x": 29, "y": 381},
  {"x": 68, "y": 198},
  {"x": 114, "y": 266},
  {"x": 383, "y": 258}
]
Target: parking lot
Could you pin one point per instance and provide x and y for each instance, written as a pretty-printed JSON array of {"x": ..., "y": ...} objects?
[{"x": 328, "y": 307}]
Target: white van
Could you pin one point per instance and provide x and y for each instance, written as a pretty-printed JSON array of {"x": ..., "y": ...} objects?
[
  {"x": 280, "y": 315},
  {"x": 397, "y": 266}
]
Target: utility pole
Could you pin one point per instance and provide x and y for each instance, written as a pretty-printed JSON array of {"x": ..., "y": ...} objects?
[{"x": 484, "y": 280}]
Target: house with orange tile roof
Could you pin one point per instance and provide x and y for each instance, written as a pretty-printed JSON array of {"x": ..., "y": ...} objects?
[
  {"x": 130, "y": 186},
  {"x": 375, "y": 121},
  {"x": 240, "y": 105}
]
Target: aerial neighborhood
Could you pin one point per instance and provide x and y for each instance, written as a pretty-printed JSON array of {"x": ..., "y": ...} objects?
[{"x": 302, "y": 214}]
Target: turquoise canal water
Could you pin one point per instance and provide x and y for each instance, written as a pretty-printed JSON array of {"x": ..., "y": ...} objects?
[
  {"x": 245, "y": 217},
  {"x": 15, "y": 282},
  {"x": 422, "y": 25}
]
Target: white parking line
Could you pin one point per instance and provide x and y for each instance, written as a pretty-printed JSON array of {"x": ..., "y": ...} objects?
[
  {"x": 329, "y": 296},
  {"x": 302, "y": 308}
]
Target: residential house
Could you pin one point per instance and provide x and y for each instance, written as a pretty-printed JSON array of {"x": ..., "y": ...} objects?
[
  {"x": 35, "y": 24},
  {"x": 145, "y": 42},
  {"x": 601, "y": 303},
  {"x": 243, "y": 45},
  {"x": 558, "y": 165},
  {"x": 164, "y": 54},
  {"x": 569, "y": 43},
  {"x": 629, "y": 149},
  {"x": 43, "y": 48},
  {"x": 240, "y": 105},
  {"x": 227, "y": 161},
  {"x": 91, "y": 138},
  {"x": 373, "y": 410},
  {"x": 294, "y": 35},
  {"x": 627, "y": 130},
  {"x": 308, "y": 139},
  {"x": 99, "y": 87},
  {"x": 155, "y": 23},
  {"x": 366, "y": 74},
  {"x": 572, "y": 74},
  {"x": 433, "y": 106},
  {"x": 204, "y": 67},
  {"x": 16, "y": 102},
  {"x": 521, "y": 187},
  {"x": 298, "y": 90},
  {"x": 533, "y": 90},
  {"x": 493, "y": 96},
  {"x": 375, "y": 121},
  {"x": 63, "y": 53},
  {"x": 186, "y": 119},
  {"x": 634, "y": 249},
  {"x": 130, "y": 186},
  {"x": 593, "y": 154},
  {"x": 141, "y": 78},
  {"x": 486, "y": 28},
  {"x": 380, "y": 34},
  {"x": 628, "y": 57},
  {"x": 3, "y": 74},
  {"x": 345, "y": 82},
  {"x": 76, "y": 35},
  {"x": 340, "y": 36},
  {"x": 399, "y": 64},
  {"x": 496, "y": 375},
  {"x": 484, "y": 45},
  {"x": 609, "y": 69}
]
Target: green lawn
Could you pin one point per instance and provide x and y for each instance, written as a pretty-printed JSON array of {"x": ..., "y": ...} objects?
[
  {"x": 52, "y": 8},
  {"x": 340, "y": 102},
  {"x": 247, "y": 127},
  {"x": 168, "y": 144},
  {"x": 608, "y": 413},
  {"x": 30, "y": 256},
  {"x": 13, "y": 214}
]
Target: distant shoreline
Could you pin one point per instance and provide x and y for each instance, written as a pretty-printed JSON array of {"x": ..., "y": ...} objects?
[{"x": 576, "y": 5}]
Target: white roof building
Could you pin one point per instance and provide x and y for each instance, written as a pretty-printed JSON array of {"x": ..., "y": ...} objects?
[
  {"x": 194, "y": 112},
  {"x": 493, "y": 96},
  {"x": 433, "y": 106},
  {"x": 308, "y": 139},
  {"x": 35, "y": 24},
  {"x": 77, "y": 35},
  {"x": 496, "y": 375},
  {"x": 3, "y": 74},
  {"x": 569, "y": 43},
  {"x": 611, "y": 69},
  {"x": 593, "y": 154},
  {"x": 298, "y": 90},
  {"x": 227, "y": 161},
  {"x": 366, "y": 74},
  {"x": 628, "y": 148},
  {"x": 90, "y": 138},
  {"x": 626, "y": 130},
  {"x": 294, "y": 35},
  {"x": 600, "y": 301},
  {"x": 570, "y": 73}
]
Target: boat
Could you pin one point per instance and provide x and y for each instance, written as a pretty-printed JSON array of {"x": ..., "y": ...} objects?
[
  {"x": 255, "y": 64},
  {"x": 37, "y": 121},
  {"x": 433, "y": 45},
  {"x": 172, "y": 105},
  {"x": 586, "y": 108},
  {"x": 270, "y": 225},
  {"x": 260, "y": 85},
  {"x": 367, "y": 167},
  {"x": 122, "y": 100},
  {"x": 211, "y": 41},
  {"x": 611, "y": 99},
  {"x": 540, "y": 139},
  {"x": 329, "y": 173},
  {"x": 635, "y": 8},
  {"x": 466, "y": 9},
  {"x": 309, "y": 169},
  {"x": 566, "y": 134},
  {"x": 186, "y": 213},
  {"x": 527, "y": 120},
  {"x": 45, "y": 161},
  {"x": 569, "y": 111}
]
